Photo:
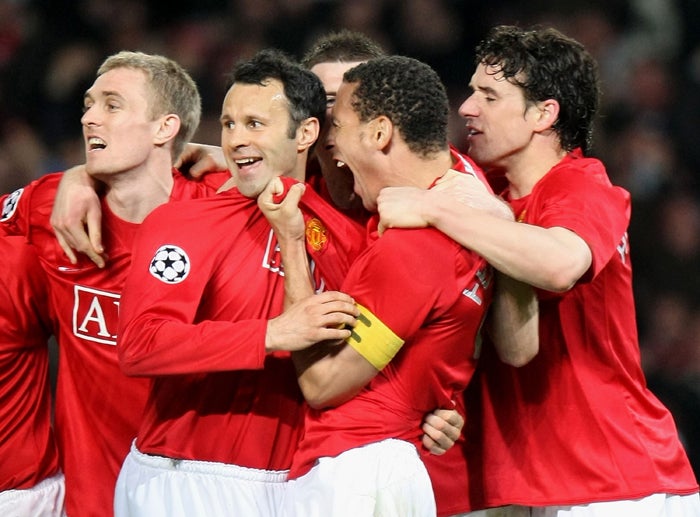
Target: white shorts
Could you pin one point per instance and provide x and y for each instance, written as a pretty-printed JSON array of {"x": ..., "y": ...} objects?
[
  {"x": 155, "y": 486},
  {"x": 386, "y": 478},
  {"x": 655, "y": 505},
  {"x": 45, "y": 499}
]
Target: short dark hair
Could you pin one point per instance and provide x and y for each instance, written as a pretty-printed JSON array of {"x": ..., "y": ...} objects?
[
  {"x": 409, "y": 93},
  {"x": 546, "y": 64},
  {"x": 303, "y": 89},
  {"x": 344, "y": 46}
]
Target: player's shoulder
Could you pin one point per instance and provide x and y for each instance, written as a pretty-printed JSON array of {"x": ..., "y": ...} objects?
[
  {"x": 199, "y": 213},
  {"x": 428, "y": 243}
]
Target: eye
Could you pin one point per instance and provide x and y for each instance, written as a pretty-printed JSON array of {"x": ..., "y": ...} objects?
[
  {"x": 227, "y": 124},
  {"x": 330, "y": 101},
  {"x": 255, "y": 124}
]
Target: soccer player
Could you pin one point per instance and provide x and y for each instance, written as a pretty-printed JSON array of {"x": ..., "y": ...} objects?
[
  {"x": 329, "y": 58},
  {"x": 31, "y": 482},
  {"x": 422, "y": 298},
  {"x": 139, "y": 113},
  {"x": 202, "y": 314},
  {"x": 576, "y": 431}
]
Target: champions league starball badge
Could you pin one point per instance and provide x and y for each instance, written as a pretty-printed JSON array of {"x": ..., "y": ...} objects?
[
  {"x": 170, "y": 264},
  {"x": 10, "y": 204}
]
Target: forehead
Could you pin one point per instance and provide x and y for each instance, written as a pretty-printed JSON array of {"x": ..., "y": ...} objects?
[
  {"x": 331, "y": 73},
  {"x": 244, "y": 98},
  {"x": 490, "y": 77},
  {"x": 344, "y": 98},
  {"x": 126, "y": 82}
]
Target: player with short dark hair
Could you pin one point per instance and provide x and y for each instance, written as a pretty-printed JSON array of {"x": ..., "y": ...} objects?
[
  {"x": 422, "y": 298},
  {"x": 575, "y": 431},
  {"x": 202, "y": 314}
]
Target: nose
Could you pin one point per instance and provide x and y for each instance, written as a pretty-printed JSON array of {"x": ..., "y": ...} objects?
[
  {"x": 468, "y": 107},
  {"x": 330, "y": 137},
  {"x": 88, "y": 118},
  {"x": 233, "y": 137}
]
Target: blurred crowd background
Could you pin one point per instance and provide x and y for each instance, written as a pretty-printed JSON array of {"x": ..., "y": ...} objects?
[{"x": 648, "y": 134}]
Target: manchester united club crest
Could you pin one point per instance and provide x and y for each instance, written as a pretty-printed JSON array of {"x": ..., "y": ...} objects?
[{"x": 316, "y": 234}]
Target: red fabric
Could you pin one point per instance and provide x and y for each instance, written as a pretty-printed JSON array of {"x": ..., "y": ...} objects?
[
  {"x": 27, "y": 445},
  {"x": 577, "y": 424}
]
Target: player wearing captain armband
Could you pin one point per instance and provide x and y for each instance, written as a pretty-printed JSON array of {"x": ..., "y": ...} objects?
[{"x": 422, "y": 300}]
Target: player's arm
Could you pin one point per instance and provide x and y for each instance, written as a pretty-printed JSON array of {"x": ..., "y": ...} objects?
[
  {"x": 77, "y": 216},
  {"x": 513, "y": 320},
  {"x": 307, "y": 318},
  {"x": 159, "y": 332},
  {"x": 198, "y": 159},
  {"x": 329, "y": 372},
  {"x": 513, "y": 317},
  {"x": 548, "y": 258},
  {"x": 442, "y": 427}
]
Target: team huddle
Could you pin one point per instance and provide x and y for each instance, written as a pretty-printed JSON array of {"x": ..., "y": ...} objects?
[{"x": 335, "y": 312}]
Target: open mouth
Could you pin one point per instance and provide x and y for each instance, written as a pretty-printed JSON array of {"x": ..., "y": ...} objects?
[
  {"x": 243, "y": 163},
  {"x": 94, "y": 143}
]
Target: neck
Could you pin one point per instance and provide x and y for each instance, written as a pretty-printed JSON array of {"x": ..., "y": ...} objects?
[
  {"x": 525, "y": 171},
  {"x": 421, "y": 172},
  {"x": 134, "y": 195}
]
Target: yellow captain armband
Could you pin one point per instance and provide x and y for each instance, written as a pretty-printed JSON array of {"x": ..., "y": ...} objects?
[{"x": 373, "y": 340}]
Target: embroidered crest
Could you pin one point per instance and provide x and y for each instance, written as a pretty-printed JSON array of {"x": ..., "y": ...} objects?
[{"x": 316, "y": 234}]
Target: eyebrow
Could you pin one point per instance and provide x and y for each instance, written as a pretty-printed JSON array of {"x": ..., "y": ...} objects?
[
  {"x": 104, "y": 93},
  {"x": 486, "y": 89}
]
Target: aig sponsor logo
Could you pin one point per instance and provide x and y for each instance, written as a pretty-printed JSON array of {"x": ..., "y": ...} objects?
[{"x": 96, "y": 315}]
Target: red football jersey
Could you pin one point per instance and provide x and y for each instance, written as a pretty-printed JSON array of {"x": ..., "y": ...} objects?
[
  {"x": 578, "y": 424},
  {"x": 98, "y": 408},
  {"x": 27, "y": 446},
  {"x": 206, "y": 277},
  {"x": 433, "y": 294}
]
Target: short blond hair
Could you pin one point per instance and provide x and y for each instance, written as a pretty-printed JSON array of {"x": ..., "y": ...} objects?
[{"x": 172, "y": 90}]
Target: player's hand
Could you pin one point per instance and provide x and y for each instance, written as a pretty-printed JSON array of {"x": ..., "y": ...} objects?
[
  {"x": 283, "y": 214},
  {"x": 442, "y": 428},
  {"x": 198, "y": 159},
  {"x": 401, "y": 207},
  {"x": 320, "y": 317},
  {"x": 469, "y": 190},
  {"x": 77, "y": 216}
]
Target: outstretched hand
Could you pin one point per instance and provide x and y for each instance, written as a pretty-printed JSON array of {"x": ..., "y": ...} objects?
[{"x": 77, "y": 217}]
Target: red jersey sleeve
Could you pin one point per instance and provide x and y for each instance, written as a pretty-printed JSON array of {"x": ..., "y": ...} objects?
[
  {"x": 162, "y": 330},
  {"x": 26, "y": 204}
]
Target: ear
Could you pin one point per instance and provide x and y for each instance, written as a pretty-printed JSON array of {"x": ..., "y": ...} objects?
[
  {"x": 168, "y": 128},
  {"x": 307, "y": 133},
  {"x": 547, "y": 114},
  {"x": 381, "y": 131}
]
